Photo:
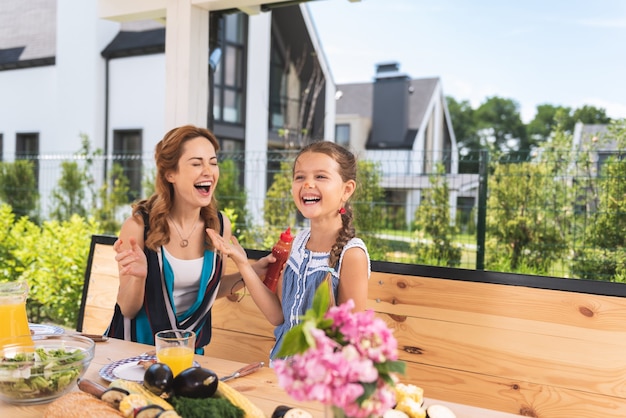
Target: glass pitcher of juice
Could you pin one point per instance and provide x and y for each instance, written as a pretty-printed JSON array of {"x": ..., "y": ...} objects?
[{"x": 13, "y": 321}]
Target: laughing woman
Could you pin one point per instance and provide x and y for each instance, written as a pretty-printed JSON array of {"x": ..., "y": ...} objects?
[{"x": 170, "y": 273}]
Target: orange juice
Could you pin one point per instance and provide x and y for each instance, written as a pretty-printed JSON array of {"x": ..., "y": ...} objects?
[
  {"x": 178, "y": 358},
  {"x": 13, "y": 322}
]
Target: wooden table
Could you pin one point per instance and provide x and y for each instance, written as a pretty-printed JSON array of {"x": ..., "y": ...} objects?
[{"x": 261, "y": 387}]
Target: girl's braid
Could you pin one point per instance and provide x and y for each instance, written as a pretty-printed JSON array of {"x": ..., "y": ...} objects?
[{"x": 345, "y": 234}]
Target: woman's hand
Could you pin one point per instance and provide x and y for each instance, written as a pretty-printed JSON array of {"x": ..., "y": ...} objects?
[{"x": 131, "y": 261}]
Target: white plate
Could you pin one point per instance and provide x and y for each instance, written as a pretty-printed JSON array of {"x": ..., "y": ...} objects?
[
  {"x": 128, "y": 369},
  {"x": 37, "y": 329}
]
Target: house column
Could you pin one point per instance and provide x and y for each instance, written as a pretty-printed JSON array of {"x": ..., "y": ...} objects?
[
  {"x": 257, "y": 112},
  {"x": 186, "y": 64},
  {"x": 186, "y": 53}
]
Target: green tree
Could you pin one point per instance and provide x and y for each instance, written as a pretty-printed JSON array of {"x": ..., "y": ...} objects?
[
  {"x": 147, "y": 183},
  {"x": 434, "y": 230},
  {"x": 545, "y": 122},
  {"x": 279, "y": 210},
  {"x": 367, "y": 203},
  {"x": 589, "y": 115},
  {"x": 68, "y": 197},
  {"x": 75, "y": 184},
  {"x": 18, "y": 187},
  {"x": 525, "y": 210},
  {"x": 113, "y": 195},
  {"x": 231, "y": 195},
  {"x": 501, "y": 128},
  {"x": 9, "y": 264},
  {"x": 603, "y": 257},
  {"x": 465, "y": 129}
]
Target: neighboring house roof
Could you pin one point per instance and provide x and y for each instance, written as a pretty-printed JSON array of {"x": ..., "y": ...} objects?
[
  {"x": 27, "y": 33},
  {"x": 356, "y": 98},
  {"x": 585, "y": 135}
]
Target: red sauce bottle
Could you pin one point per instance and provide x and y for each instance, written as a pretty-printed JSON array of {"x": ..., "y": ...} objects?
[{"x": 281, "y": 251}]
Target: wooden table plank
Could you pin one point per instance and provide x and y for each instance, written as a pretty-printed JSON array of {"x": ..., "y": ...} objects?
[{"x": 260, "y": 387}]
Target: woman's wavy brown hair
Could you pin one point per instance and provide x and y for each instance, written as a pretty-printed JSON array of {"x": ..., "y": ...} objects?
[
  {"x": 347, "y": 170},
  {"x": 157, "y": 207}
]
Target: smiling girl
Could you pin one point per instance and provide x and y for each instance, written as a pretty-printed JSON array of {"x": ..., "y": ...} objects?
[{"x": 324, "y": 180}]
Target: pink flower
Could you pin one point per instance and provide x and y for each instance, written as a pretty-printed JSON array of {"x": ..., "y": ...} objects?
[{"x": 338, "y": 365}]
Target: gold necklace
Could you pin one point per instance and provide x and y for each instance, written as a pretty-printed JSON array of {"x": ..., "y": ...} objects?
[{"x": 183, "y": 241}]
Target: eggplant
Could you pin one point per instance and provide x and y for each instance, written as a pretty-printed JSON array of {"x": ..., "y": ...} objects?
[
  {"x": 195, "y": 382},
  {"x": 159, "y": 379},
  {"x": 113, "y": 396}
]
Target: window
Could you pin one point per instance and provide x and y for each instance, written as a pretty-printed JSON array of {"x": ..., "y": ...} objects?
[
  {"x": 27, "y": 148},
  {"x": 342, "y": 134},
  {"x": 278, "y": 88},
  {"x": 127, "y": 149},
  {"x": 228, "y": 76}
]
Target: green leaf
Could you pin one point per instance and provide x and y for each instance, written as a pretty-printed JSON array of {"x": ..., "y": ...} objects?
[
  {"x": 321, "y": 300},
  {"x": 368, "y": 390},
  {"x": 295, "y": 342},
  {"x": 396, "y": 366}
]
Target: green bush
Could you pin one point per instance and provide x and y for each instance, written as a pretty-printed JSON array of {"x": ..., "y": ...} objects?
[
  {"x": 232, "y": 196},
  {"x": 600, "y": 264},
  {"x": 368, "y": 202},
  {"x": 433, "y": 227},
  {"x": 18, "y": 187},
  {"x": 52, "y": 258}
]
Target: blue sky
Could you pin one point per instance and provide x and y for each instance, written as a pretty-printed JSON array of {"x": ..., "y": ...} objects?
[{"x": 561, "y": 52}]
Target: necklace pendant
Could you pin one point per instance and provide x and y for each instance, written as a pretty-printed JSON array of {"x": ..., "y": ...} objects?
[{"x": 184, "y": 243}]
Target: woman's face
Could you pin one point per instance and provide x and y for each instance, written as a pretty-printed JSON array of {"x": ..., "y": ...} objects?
[{"x": 197, "y": 175}]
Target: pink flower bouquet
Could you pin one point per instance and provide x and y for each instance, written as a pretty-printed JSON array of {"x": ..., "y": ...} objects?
[{"x": 345, "y": 359}]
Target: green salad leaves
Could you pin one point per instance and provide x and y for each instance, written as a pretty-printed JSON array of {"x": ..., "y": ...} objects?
[{"x": 41, "y": 373}]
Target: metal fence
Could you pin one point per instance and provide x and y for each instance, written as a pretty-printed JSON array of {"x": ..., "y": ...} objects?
[{"x": 560, "y": 214}]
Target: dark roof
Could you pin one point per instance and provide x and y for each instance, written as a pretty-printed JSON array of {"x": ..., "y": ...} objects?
[
  {"x": 356, "y": 98},
  {"x": 591, "y": 133},
  {"x": 27, "y": 33},
  {"x": 128, "y": 43}
]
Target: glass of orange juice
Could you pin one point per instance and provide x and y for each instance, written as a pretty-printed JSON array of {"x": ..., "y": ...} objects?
[{"x": 175, "y": 347}]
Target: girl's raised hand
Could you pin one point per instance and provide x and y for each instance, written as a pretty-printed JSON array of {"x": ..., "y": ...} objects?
[{"x": 233, "y": 249}]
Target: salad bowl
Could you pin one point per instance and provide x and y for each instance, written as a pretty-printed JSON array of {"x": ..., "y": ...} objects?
[{"x": 43, "y": 370}]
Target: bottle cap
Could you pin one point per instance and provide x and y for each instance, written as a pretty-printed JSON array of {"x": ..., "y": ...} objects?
[{"x": 286, "y": 236}]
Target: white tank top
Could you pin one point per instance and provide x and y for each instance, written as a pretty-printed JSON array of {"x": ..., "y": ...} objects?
[{"x": 187, "y": 276}]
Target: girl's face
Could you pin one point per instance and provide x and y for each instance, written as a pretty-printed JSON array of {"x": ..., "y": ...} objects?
[
  {"x": 317, "y": 187},
  {"x": 197, "y": 174}
]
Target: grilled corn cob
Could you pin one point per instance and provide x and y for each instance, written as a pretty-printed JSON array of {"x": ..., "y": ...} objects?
[
  {"x": 131, "y": 402},
  {"x": 224, "y": 390},
  {"x": 136, "y": 388}
]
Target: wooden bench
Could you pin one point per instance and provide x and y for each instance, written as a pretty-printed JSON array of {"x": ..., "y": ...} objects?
[{"x": 529, "y": 345}]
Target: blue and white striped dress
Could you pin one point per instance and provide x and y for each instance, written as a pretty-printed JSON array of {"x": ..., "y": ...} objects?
[{"x": 303, "y": 273}]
